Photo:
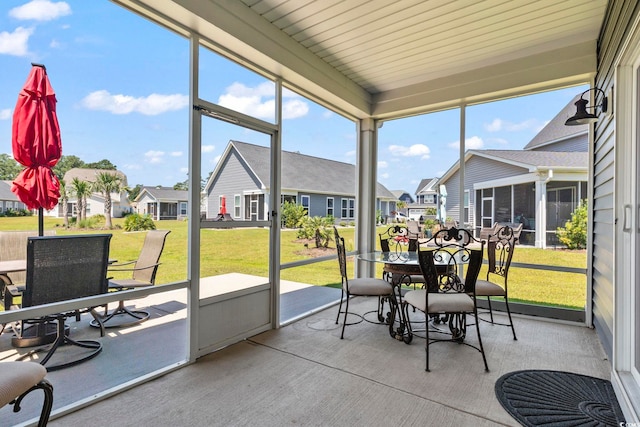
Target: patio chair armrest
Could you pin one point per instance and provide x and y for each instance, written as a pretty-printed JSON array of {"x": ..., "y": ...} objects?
[
  {"x": 146, "y": 267},
  {"x": 121, "y": 264}
]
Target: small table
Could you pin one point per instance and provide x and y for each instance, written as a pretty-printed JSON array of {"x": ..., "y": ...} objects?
[{"x": 403, "y": 265}]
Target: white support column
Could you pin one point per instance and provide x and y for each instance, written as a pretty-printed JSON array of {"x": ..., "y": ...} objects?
[
  {"x": 366, "y": 183},
  {"x": 541, "y": 212}
]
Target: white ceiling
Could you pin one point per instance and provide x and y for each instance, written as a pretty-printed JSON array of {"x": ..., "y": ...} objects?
[{"x": 385, "y": 58}]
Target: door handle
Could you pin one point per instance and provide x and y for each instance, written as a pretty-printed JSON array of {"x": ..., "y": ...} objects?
[{"x": 626, "y": 219}]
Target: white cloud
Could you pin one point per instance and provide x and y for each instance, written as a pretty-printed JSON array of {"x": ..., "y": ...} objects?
[
  {"x": 416, "y": 150},
  {"x": 473, "y": 143},
  {"x": 259, "y": 101},
  {"x": 498, "y": 125},
  {"x": 41, "y": 10},
  {"x": 208, "y": 148},
  {"x": 15, "y": 43},
  {"x": 133, "y": 166},
  {"x": 176, "y": 154},
  {"x": 382, "y": 164},
  {"x": 384, "y": 175},
  {"x": 5, "y": 114},
  {"x": 154, "y": 156},
  {"x": 151, "y": 105}
]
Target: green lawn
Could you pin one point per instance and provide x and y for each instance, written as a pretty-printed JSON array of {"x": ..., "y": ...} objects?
[{"x": 246, "y": 251}]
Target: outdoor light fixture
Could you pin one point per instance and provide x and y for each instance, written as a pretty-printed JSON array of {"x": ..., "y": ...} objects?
[{"x": 582, "y": 116}]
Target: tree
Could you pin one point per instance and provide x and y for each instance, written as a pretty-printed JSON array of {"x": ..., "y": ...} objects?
[
  {"x": 102, "y": 164},
  {"x": 82, "y": 190},
  {"x": 9, "y": 168},
  {"x": 292, "y": 214},
  {"x": 574, "y": 232},
  {"x": 133, "y": 192},
  {"x": 107, "y": 183},
  {"x": 184, "y": 185},
  {"x": 65, "y": 163},
  {"x": 64, "y": 198}
]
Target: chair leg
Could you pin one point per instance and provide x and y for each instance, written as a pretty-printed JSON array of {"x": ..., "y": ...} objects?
[
  {"x": 340, "y": 307},
  {"x": 490, "y": 310},
  {"x": 47, "y": 388},
  {"x": 138, "y": 315},
  {"x": 506, "y": 303},
  {"x": 484, "y": 358},
  {"x": 346, "y": 311}
]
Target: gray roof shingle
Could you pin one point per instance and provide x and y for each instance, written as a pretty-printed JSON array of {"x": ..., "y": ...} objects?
[
  {"x": 539, "y": 159},
  {"x": 556, "y": 130},
  {"x": 305, "y": 173}
]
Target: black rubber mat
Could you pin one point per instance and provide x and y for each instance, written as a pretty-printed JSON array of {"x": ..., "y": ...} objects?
[{"x": 555, "y": 398}]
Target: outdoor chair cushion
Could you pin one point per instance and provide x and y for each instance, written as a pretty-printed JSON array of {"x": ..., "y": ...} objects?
[
  {"x": 369, "y": 286},
  {"x": 440, "y": 302},
  {"x": 18, "y": 377},
  {"x": 486, "y": 288}
]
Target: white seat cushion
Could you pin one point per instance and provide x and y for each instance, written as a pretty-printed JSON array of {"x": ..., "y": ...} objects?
[
  {"x": 18, "y": 377},
  {"x": 488, "y": 289},
  {"x": 369, "y": 286},
  {"x": 440, "y": 302}
]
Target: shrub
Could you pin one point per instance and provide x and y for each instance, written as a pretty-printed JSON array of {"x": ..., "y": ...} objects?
[
  {"x": 137, "y": 222},
  {"x": 292, "y": 215},
  {"x": 318, "y": 228},
  {"x": 574, "y": 233}
]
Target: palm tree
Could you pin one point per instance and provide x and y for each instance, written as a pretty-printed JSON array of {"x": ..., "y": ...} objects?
[
  {"x": 81, "y": 189},
  {"x": 107, "y": 183},
  {"x": 64, "y": 198}
]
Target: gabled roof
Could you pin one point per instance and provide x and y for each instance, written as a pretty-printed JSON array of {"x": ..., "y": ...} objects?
[
  {"x": 427, "y": 186},
  {"x": 300, "y": 172},
  {"x": 89, "y": 175},
  {"x": 556, "y": 131},
  {"x": 6, "y": 193},
  {"x": 164, "y": 194},
  {"x": 530, "y": 160}
]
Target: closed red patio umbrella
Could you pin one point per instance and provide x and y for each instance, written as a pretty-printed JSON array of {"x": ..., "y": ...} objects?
[
  {"x": 36, "y": 143},
  {"x": 223, "y": 205}
]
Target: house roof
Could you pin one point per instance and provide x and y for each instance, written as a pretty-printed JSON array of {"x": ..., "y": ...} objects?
[
  {"x": 5, "y": 191},
  {"x": 89, "y": 175},
  {"x": 301, "y": 172},
  {"x": 164, "y": 194},
  {"x": 390, "y": 59},
  {"x": 556, "y": 131},
  {"x": 426, "y": 186},
  {"x": 534, "y": 160},
  {"x": 528, "y": 159}
]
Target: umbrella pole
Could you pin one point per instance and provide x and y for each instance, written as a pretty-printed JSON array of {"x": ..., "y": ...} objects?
[{"x": 40, "y": 222}]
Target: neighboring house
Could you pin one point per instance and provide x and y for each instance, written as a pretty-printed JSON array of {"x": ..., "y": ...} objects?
[
  {"x": 162, "y": 202},
  {"x": 538, "y": 186},
  {"x": 403, "y": 196},
  {"x": 324, "y": 187},
  {"x": 426, "y": 197},
  {"x": 95, "y": 203},
  {"x": 8, "y": 199}
]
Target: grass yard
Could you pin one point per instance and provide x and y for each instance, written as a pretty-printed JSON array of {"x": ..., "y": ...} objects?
[{"x": 246, "y": 251}]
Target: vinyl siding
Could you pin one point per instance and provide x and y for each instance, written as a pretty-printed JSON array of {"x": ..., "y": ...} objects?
[
  {"x": 477, "y": 169},
  {"x": 602, "y": 262},
  {"x": 578, "y": 143},
  {"x": 235, "y": 178}
]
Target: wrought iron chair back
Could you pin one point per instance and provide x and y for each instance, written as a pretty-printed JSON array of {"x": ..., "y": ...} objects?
[{"x": 397, "y": 239}]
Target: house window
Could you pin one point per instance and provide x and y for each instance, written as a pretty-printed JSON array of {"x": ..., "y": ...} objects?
[
  {"x": 304, "y": 201},
  {"x": 183, "y": 208},
  {"x": 329, "y": 206},
  {"x": 236, "y": 206},
  {"x": 429, "y": 198},
  {"x": 466, "y": 206},
  {"x": 347, "y": 208}
]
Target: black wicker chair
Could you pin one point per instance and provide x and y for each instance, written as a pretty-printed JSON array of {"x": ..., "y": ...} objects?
[{"x": 62, "y": 268}]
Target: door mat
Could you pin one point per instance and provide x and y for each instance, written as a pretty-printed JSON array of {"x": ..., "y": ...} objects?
[{"x": 555, "y": 398}]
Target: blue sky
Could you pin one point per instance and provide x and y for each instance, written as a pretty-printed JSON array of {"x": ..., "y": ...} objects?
[{"x": 122, "y": 90}]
